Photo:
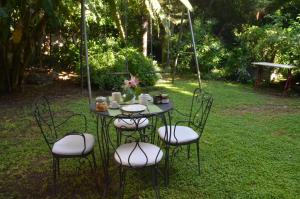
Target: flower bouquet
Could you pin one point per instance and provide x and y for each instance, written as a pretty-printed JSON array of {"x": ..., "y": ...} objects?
[{"x": 131, "y": 89}]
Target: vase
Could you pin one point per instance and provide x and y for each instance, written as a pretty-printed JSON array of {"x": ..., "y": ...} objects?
[{"x": 132, "y": 101}]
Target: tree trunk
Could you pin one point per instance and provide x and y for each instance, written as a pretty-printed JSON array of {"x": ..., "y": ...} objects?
[
  {"x": 145, "y": 27},
  {"x": 165, "y": 49},
  {"x": 16, "y": 54},
  {"x": 4, "y": 80},
  {"x": 117, "y": 17}
]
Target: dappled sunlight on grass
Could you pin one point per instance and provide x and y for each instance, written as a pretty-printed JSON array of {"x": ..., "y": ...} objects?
[
  {"x": 233, "y": 84},
  {"x": 176, "y": 89},
  {"x": 182, "y": 87}
]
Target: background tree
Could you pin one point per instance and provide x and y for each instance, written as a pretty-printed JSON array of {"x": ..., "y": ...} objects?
[{"x": 23, "y": 23}]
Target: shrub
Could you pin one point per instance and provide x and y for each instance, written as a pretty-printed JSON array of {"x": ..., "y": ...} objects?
[
  {"x": 270, "y": 43},
  {"x": 238, "y": 65},
  {"x": 107, "y": 58},
  {"x": 210, "y": 49},
  {"x": 140, "y": 66}
]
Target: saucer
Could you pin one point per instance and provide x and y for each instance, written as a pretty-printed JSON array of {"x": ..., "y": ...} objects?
[{"x": 116, "y": 107}]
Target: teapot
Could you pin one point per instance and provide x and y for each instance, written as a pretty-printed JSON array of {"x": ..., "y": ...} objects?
[{"x": 143, "y": 99}]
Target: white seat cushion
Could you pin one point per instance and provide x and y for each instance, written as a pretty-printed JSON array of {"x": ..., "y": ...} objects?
[
  {"x": 131, "y": 123},
  {"x": 183, "y": 134},
  {"x": 136, "y": 154},
  {"x": 73, "y": 145}
]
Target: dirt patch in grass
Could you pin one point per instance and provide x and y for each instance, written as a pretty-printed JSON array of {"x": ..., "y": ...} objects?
[
  {"x": 264, "y": 109},
  {"x": 279, "y": 132}
]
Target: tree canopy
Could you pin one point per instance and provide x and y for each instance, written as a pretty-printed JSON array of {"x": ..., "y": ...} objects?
[{"x": 229, "y": 35}]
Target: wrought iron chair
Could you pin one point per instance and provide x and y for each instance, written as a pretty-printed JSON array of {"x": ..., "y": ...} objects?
[
  {"x": 72, "y": 145},
  {"x": 129, "y": 125},
  {"x": 178, "y": 135},
  {"x": 137, "y": 150}
]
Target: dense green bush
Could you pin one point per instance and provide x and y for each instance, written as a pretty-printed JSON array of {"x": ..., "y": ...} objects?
[
  {"x": 210, "y": 49},
  {"x": 275, "y": 42},
  {"x": 238, "y": 65},
  {"x": 139, "y": 66},
  {"x": 107, "y": 58}
]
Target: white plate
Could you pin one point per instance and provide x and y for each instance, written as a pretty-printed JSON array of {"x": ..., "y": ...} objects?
[{"x": 134, "y": 108}]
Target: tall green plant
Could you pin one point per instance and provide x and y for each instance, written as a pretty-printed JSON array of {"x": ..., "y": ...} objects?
[{"x": 22, "y": 25}]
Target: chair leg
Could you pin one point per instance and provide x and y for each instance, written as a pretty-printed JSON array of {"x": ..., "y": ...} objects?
[
  {"x": 118, "y": 136},
  {"x": 54, "y": 170},
  {"x": 58, "y": 167},
  {"x": 94, "y": 160},
  {"x": 122, "y": 174},
  {"x": 167, "y": 165},
  {"x": 198, "y": 156},
  {"x": 93, "y": 171},
  {"x": 188, "y": 150},
  {"x": 155, "y": 181}
]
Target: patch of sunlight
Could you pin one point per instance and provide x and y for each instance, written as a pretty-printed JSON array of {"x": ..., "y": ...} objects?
[
  {"x": 66, "y": 76},
  {"x": 163, "y": 81},
  {"x": 232, "y": 84},
  {"x": 176, "y": 89},
  {"x": 196, "y": 84}
]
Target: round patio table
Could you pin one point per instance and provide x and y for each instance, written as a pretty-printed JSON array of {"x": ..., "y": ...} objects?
[{"x": 153, "y": 110}]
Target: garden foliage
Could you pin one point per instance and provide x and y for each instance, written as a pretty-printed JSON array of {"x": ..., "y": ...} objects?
[
  {"x": 229, "y": 36},
  {"x": 107, "y": 59}
]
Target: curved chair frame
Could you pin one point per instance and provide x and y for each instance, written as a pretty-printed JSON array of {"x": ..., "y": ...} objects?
[
  {"x": 195, "y": 119},
  {"x": 138, "y": 136},
  {"x": 45, "y": 120}
]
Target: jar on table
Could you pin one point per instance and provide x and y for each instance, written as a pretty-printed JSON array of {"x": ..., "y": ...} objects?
[
  {"x": 157, "y": 99},
  {"x": 101, "y": 104},
  {"x": 165, "y": 98}
]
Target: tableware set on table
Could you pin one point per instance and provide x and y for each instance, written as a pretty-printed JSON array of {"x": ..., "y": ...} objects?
[{"x": 116, "y": 102}]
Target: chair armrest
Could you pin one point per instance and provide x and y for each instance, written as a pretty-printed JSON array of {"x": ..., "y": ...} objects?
[
  {"x": 181, "y": 113},
  {"x": 72, "y": 116},
  {"x": 177, "y": 123},
  {"x": 168, "y": 136},
  {"x": 181, "y": 121}
]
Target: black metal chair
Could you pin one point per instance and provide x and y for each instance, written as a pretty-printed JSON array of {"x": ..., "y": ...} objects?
[
  {"x": 137, "y": 151},
  {"x": 72, "y": 145},
  {"x": 126, "y": 126},
  {"x": 178, "y": 135}
]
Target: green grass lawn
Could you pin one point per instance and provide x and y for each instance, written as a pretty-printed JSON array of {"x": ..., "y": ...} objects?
[{"x": 250, "y": 149}]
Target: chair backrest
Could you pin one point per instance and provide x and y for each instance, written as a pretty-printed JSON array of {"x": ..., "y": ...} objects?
[
  {"x": 137, "y": 136},
  {"x": 44, "y": 118},
  {"x": 200, "y": 109}
]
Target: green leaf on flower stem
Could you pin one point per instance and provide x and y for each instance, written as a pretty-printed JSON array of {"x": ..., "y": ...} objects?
[
  {"x": 138, "y": 91},
  {"x": 129, "y": 94}
]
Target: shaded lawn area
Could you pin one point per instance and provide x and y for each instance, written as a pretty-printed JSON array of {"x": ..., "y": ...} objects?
[{"x": 250, "y": 149}]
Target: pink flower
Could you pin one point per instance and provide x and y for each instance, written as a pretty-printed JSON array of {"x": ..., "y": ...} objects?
[{"x": 132, "y": 83}]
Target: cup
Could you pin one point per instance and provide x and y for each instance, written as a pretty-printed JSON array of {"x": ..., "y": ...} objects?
[
  {"x": 143, "y": 99},
  {"x": 116, "y": 96},
  {"x": 114, "y": 104},
  {"x": 150, "y": 99}
]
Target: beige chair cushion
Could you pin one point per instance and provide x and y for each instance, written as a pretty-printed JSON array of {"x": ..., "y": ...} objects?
[
  {"x": 73, "y": 145},
  {"x": 182, "y": 134},
  {"x": 134, "y": 155},
  {"x": 131, "y": 123}
]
